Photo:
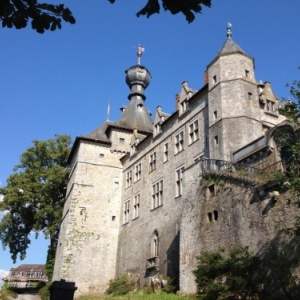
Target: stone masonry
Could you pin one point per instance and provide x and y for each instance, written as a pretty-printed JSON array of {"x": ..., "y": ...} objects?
[{"x": 136, "y": 200}]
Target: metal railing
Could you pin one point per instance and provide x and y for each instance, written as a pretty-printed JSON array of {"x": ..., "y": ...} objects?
[{"x": 208, "y": 166}]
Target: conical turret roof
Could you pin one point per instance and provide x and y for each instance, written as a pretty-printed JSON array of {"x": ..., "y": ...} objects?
[{"x": 230, "y": 46}]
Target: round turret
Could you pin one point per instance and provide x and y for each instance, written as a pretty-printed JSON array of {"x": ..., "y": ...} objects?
[{"x": 138, "y": 75}]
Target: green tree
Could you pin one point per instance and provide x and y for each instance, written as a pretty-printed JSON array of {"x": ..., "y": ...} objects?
[
  {"x": 34, "y": 196},
  {"x": 45, "y": 16},
  {"x": 237, "y": 275}
]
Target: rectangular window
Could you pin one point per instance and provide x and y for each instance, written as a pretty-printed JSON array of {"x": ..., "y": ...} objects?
[
  {"x": 183, "y": 106},
  {"x": 157, "y": 129},
  {"x": 178, "y": 175},
  {"x": 126, "y": 211},
  {"x": 166, "y": 152},
  {"x": 157, "y": 194},
  {"x": 215, "y": 115},
  {"x": 270, "y": 106},
  {"x": 215, "y": 79},
  {"x": 250, "y": 96},
  {"x": 179, "y": 142},
  {"x": 193, "y": 132},
  {"x": 136, "y": 206},
  {"x": 138, "y": 171},
  {"x": 121, "y": 140},
  {"x": 129, "y": 178},
  {"x": 247, "y": 74},
  {"x": 152, "y": 161},
  {"x": 216, "y": 139}
]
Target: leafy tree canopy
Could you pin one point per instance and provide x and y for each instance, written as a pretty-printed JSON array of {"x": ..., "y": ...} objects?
[
  {"x": 45, "y": 16},
  {"x": 34, "y": 195}
]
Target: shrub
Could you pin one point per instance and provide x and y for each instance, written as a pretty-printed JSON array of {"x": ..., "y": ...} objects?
[
  {"x": 238, "y": 276},
  {"x": 119, "y": 286}
]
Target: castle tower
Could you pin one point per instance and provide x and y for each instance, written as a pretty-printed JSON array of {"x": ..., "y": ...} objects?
[
  {"x": 88, "y": 240},
  {"x": 234, "y": 114}
]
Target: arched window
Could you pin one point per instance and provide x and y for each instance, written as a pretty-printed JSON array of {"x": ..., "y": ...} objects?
[{"x": 155, "y": 244}]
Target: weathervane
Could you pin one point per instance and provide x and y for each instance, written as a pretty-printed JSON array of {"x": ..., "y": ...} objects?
[
  {"x": 139, "y": 53},
  {"x": 229, "y": 32}
]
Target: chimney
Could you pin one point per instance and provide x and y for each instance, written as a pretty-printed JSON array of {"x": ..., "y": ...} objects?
[
  {"x": 206, "y": 77},
  {"x": 177, "y": 100}
]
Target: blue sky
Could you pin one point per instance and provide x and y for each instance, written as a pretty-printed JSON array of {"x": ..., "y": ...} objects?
[{"x": 60, "y": 82}]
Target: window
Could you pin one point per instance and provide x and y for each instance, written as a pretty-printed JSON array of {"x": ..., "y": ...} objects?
[
  {"x": 216, "y": 139},
  {"x": 183, "y": 106},
  {"x": 155, "y": 244},
  {"x": 101, "y": 155},
  {"x": 270, "y": 106},
  {"x": 157, "y": 129},
  {"x": 247, "y": 74},
  {"x": 136, "y": 206},
  {"x": 215, "y": 115},
  {"x": 179, "y": 142},
  {"x": 126, "y": 211},
  {"x": 157, "y": 194},
  {"x": 152, "y": 161},
  {"x": 138, "y": 170},
  {"x": 140, "y": 107},
  {"x": 121, "y": 140},
  {"x": 215, "y": 79},
  {"x": 129, "y": 178},
  {"x": 250, "y": 96},
  {"x": 178, "y": 175},
  {"x": 193, "y": 132},
  {"x": 166, "y": 152}
]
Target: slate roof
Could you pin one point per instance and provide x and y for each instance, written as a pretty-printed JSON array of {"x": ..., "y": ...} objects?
[
  {"x": 230, "y": 46},
  {"x": 136, "y": 116}
]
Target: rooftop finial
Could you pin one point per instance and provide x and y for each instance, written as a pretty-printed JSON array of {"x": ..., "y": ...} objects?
[
  {"x": 229, "y": 32},
  {"x": 139, "y": 53}
]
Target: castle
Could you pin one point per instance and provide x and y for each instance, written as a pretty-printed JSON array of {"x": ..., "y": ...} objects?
[{"x": 134, "y": 198}]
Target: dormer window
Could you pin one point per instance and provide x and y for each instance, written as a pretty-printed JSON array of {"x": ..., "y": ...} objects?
[
  {"x": 270, "y": 106},
  {"x": 140, "y": 107},
  {"x": 183, "y": 106},
  {"x": 157, "y": 128}
]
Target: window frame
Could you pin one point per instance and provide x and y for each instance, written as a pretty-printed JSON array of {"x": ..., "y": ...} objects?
[
  {"x": 152, "y": 161},
  {"x": 137, "y": 171},
  {"x": 193, "y": 129},
  {"x": 136, "y": 205},
  {"x": 178, "y": 181},
  {"x": 179, "y": 142},
  {"x": 126, "y": 211},
  {"x": 157, "y": 194},
  {"x": 128, "y": 178}
]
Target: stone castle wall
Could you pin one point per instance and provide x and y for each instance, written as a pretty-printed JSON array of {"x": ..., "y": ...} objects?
[{"x": 239, "y": 215}]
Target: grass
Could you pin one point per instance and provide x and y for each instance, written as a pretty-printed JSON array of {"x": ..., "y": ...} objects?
[{"x": 138, "y": 296}]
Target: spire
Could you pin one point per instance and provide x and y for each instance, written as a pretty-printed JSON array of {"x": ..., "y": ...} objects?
[
  {"x": 229, "y": 32},
  {"x": 139, "y": 53},
  {"x": 136, "y": 115}
]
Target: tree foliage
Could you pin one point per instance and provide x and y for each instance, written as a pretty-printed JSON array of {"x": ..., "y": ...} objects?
[
  {"x": 46, "y": 16},
  {"x": 43, "y": 16},
  {"x": 235, "y": 276},
  {"x": 34, "y": 195},
  {"x": 291, "y": 140},
  {"x": 187, "y": 7}
]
